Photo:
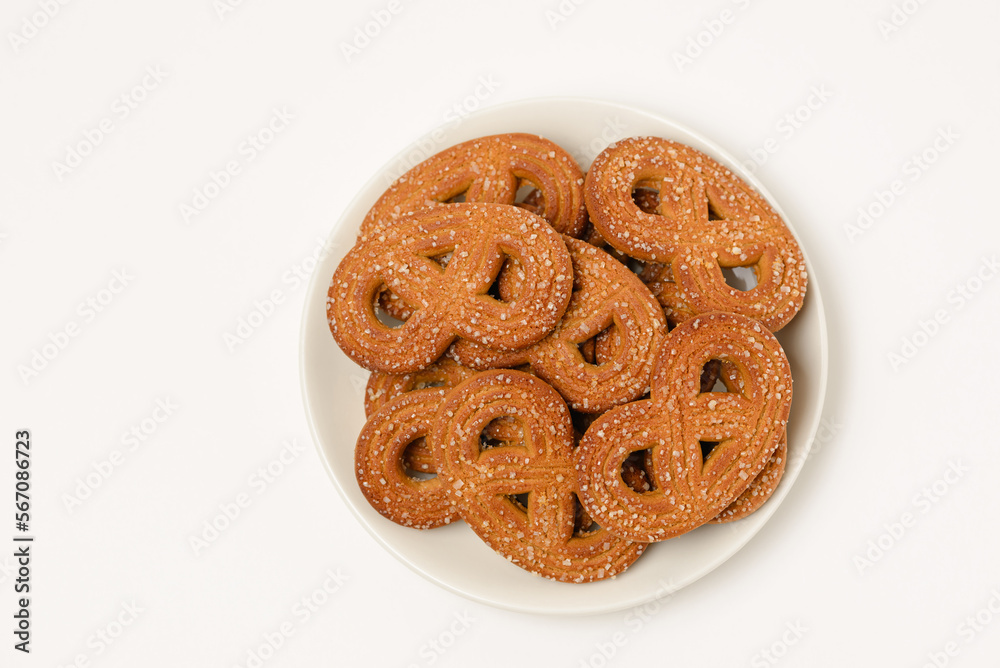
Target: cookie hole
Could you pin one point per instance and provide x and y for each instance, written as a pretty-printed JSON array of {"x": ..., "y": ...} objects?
[
  {"x": 647, "y": 199},
  {"x": 607, "y": 344},
  {"x": 441, "y": 259},
  {"x": 654, "y": 274},
  {"x": 740, "y": 278},
  {"x": 583, "y": 523},
  {"x": 507, "y": 284},
  {"x": 529, "y": 197},
  {"x": 601, "y": 347},
  {"x": 519, "y": 501},
  {"x": 426, "y": 384},
  {"x": 582, "y": 421},
  {"x": 720, "y": 205},
  {"x": 500, "y": 432},
  {"x": 635, "y": 472},
  {"x": 731, "y": 379},
  {"x": 713, "y": 211},
  {"x": 457, "y": 198},
  {"x": 418, "y": 462},
  {"x": 707, "y": 447},
  {"x": 637, "y": 267},
  {"x": 390, "y": 309},
  {"x": 711, "y": 377}
]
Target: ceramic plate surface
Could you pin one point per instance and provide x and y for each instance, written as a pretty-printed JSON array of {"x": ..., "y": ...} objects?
[{"x": 453, "y": 556}]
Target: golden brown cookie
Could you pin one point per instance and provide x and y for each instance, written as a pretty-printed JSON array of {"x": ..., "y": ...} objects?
[
  {"x": 491, "y": 169},
  {"x": 759, "y": 491},
  {"x": 446, "y": 373},
  {"x": 745, "y": 424},
  {"x": 384, "y": 387},
  {"x": 636, "y": 467},
  {"x": 635, "y": 470},
  {"x": 540, "y": 533},
  {"x": 452, "y": 301},
  {"x": 488, "y": 169},
  {"x": 705, "y": 219},
  {"x": 382, "y": 470},
  {"x": 605, "y": 295}
]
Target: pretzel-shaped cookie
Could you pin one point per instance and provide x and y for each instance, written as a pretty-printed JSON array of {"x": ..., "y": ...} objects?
[
  {"x": 706, "y": 219},
  {"x": 542, "y": 537},
  {"x": 636, "y": 467},
  {"x": 446, "y": 373},
  {"x": 491, "y": 169},
  {"x": 451, "y": 301},
  {"x": 380, "y": 462},
  {"x": 605, "y": 293},
  {"x": 487, "y": 169},
  {"x": 747, "y": 423}
]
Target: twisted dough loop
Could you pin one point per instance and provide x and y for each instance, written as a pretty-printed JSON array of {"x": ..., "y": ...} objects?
[
  {"x": 446, "y": 374},
  {"x": 488, "y": 169},
  {"x": 748, "y": 423},
  {"x": 541, "y": 538},
  {"x": 705, "y": 219},
  {"x": 491, "y": 169},
  {"x": 763, "y": 485},
  {"x": 452, "y": 301},
  {"x": 605, "y": 293},
  {"x": 380, "y": 466}
]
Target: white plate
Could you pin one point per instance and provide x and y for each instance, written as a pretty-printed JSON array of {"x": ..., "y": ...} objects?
[{"x": 453, "y": 556}]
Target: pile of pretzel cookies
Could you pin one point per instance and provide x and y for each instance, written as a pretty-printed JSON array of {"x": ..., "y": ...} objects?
[{"x": 558, "y": 359}]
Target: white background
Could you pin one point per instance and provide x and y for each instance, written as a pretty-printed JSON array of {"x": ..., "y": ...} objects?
[{"x": 836, "y": 562}]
